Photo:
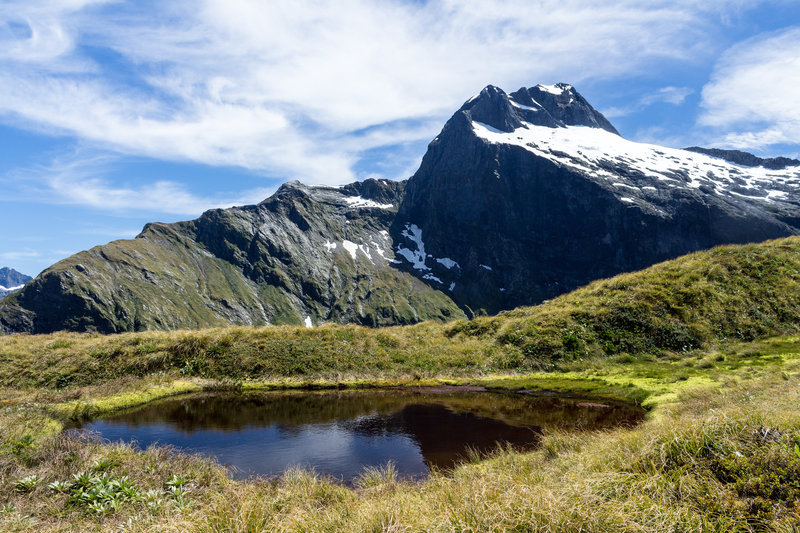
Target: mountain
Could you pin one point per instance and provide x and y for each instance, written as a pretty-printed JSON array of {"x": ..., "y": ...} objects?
[
  {"x": 745, "y": 159},
  {"x": 11, "y": 281},
  {"x": 304, "y": 256},
  {"x": 520, "y": 198},
  {"x": 534, "y": 193}
]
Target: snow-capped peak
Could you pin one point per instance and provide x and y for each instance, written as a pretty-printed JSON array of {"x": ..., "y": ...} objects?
[
  {"x": 639, "y": 173},
  {"x": 557, "y": 89}
]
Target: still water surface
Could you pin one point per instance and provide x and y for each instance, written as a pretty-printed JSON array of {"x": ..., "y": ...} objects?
[{"x": 339, "y": 433}]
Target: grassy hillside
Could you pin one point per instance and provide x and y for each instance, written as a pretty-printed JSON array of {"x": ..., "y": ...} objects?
[
  {"x": 719, "y": 452},
  {"x": 697, "y": 302}
]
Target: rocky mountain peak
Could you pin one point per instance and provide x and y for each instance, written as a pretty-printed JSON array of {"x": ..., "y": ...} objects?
[
  {"x": 11, "y": 281},
  {"x": 563, "y": 104},
  {"x": 553, "y": 106},
  {"x": 11, "y": 278},
  {"x": 521, "y": 197},
  {"x": 492, "y": 107}
]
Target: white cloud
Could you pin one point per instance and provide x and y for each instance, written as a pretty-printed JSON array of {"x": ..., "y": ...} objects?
[
  {"x": 74, "y": 181},
  {"x": 286, "y": 87},
  {"x": 669, "y": 95},
  {"x": 752, "y": 98}
]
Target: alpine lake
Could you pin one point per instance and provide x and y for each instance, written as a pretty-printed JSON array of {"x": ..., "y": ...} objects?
[{"x": 340, "y": 433}]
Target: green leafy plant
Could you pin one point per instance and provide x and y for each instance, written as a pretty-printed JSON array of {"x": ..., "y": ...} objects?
[
  {"x": 26, "y": 484},
  {"x": 102, "y": 493},
  {"x": 59, "y": 486},
  {"x": 175, "y": 485}
]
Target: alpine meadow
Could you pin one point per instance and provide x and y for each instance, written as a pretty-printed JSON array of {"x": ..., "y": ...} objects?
[{"x": 359, "y": 304}]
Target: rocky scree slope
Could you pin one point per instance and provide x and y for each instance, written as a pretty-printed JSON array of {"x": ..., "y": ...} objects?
[{"x": 521, "y": 197}]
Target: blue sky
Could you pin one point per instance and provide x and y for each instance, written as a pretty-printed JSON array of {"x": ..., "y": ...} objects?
[{"x": 116, "y": 113}]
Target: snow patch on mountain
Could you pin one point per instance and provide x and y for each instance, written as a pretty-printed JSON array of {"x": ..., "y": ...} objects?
[
  {"x": 554, "y": 89},
  {"x": 358, "y": 201},
  {"x": 639, "y": 171},
  {"x": 351, "y": 248},
  {"x": 417, "y": 257},
  {"x": 447, "y": 262},
  {"x": 431, "y": 277},
  {"x": 526, "y": 107}
]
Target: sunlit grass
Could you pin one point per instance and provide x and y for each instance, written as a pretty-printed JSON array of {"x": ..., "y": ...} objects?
[{"x": 708, "y": 342}]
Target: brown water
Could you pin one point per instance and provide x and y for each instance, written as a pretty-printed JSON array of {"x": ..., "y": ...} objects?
[{"x": 340, "y": 433}]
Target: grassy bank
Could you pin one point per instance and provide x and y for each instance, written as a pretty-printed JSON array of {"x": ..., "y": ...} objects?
[
  {"x": 694, "y": 304},
  {"x": 705, "y": 341},
  {"x": 722, "y": 453}
]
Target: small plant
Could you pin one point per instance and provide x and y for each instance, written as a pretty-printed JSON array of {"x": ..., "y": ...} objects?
[
  {"x": 60, "y": 344},
  {"x": 154, "y": 499},
  {"x": 102, "y": 493},
  {"x": 20, "y": 448},
  {"x": 104, "y": 465},
  {"x": 146, "y": 347},
  {"x": 176, "y": 481},
  {"x": 175, "y": 485},
  {"x": 26, "y": 484},
  {"x": 59, "y": 486},
  {"x": 81, "y": 480}
]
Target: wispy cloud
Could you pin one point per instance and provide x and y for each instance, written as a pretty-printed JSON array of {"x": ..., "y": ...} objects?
[
  {"x": 667, "y": 95},
  {"x": 19, "y": 254},
  {"x": 751, "y": 100},
  {"x": 288, "y": 87},
  {"x": 78, "y": 180}
]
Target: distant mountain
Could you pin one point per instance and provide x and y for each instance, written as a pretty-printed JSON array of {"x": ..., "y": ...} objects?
[
  {"x": 11, "y": 281},
  {"x": 746, "y": 159},
  {"x": 521, "y": 197}
]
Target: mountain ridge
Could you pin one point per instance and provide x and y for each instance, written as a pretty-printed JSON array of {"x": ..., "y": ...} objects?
[{"x": 520, "y": 198}]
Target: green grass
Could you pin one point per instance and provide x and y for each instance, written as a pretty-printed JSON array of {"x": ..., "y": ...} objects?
[
  {"x": 719, "y": 456},
  {"x": 709, "y": 342},
  {"x": 699, "y": 303}
]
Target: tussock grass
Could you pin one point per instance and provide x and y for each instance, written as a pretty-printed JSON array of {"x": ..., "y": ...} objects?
[
  {"x": 719, "y": 457},
  {"x": 698, "y": 303},
  {"x": 690, "y": 338}
]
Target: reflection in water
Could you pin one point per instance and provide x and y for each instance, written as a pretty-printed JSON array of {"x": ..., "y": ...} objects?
[{"x": 339, "y": 433}]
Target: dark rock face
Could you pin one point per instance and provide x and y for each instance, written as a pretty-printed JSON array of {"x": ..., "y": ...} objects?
[
  {"x": 526, "y": 217},
  {"x": 543, "y": 105},
  {"x": 747, "y": 159},
  {"x": 520, "y": 198},
  {"x": 561, "y": 102}
]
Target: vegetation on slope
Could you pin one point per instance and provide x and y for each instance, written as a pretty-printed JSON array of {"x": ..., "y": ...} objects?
[
  {"x": 720, "y": 453},
  {"x": 696, "y": 302},
  {"x": 727, "y": 294},
  {"x": 724, "y": 457}
]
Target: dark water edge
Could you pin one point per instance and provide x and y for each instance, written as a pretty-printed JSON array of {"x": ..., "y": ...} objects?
[{"x": 340, "y": 433}]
